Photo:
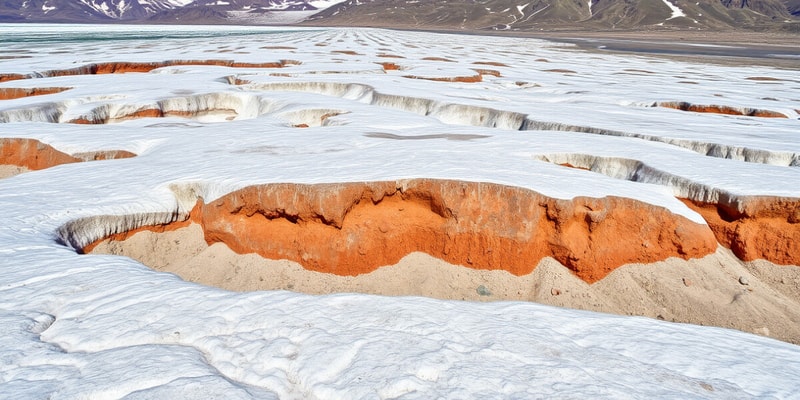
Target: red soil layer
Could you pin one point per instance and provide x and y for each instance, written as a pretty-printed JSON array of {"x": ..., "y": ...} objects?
[
  {"x": 768, "y": 228},
  {"x": 35, "y": 155},
  {"x": 18, "y": 93},
  {"x": 726, "y": 110},
  {"x": 124, "y": 67},
  {"x": 353, "y": 228},
  {"x": 32, "y": 154},
  {"x": 390, "y": 66}
]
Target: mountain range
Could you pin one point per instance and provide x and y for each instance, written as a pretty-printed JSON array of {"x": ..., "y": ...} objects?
[{"x": 433, "y": 14}]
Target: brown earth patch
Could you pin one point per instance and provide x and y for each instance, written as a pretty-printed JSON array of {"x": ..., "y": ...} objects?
[
  {"x": 33, "y": 155},
  {"x": 437, "y": 59},
  {"x": 492, "y": 63},
  {"x": 346, "y": 52},
  {"x": 464, "y": 79},
  {"x": 354, "y": 228},
  {"x": 18, "y": 93},
  {"x": 763, "y": 79},
  {"x": 717, "y": 109},
  {"x": 390, "y": 66},
  {"x": 491, "y": 72},
  {"x": 389, "y": 56}
]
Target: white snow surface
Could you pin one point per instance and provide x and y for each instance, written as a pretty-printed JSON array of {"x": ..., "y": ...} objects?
[
  {"x": 676, "y": 11},
  {"x": 106, "y": 327}
]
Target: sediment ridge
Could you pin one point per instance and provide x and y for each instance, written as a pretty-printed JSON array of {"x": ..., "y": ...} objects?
[
  {"x": 121, "y": 67},
  {"x": 353, "y": 228},
  {"x": 32, "y": 155}
]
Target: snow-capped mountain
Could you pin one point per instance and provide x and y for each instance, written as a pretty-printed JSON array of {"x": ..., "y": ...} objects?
[
  {"x": 555, "y": 14},
  {"x": 178, "y": 11}
]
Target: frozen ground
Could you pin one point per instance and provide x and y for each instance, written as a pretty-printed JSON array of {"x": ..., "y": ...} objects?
[{"x": 107, "y": 327}]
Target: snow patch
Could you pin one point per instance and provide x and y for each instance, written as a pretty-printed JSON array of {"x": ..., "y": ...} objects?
[{"x": 676, "y": 11}]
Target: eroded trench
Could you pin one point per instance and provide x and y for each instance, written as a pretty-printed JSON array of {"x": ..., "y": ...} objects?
[{"x": 469, "y": 241}]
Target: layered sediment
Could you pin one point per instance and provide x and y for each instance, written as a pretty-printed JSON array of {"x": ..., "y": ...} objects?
[{"x": 353, "y": 228}]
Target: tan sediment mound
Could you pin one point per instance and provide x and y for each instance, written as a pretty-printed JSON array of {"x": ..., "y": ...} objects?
[
  {"x": 125, "y": 67},
  {"x": 705, "y": 291},
  {"x": 384, "y": 55},
  {"x": 18, "y": 93},
  {"x": 353, "y": 228},
  {"x": 768, "y": 229},
  {"x": 7, "y": 171},
  {"x": 717, "y": 109},
  {"x": 20, "y": 155}
]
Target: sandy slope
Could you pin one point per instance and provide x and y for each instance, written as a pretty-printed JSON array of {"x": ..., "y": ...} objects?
[
  {"x": 707, "y": 291},
  {"x": 7, "y": 171}
]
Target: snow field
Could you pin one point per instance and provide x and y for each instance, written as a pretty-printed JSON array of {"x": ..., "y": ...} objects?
[{"x": 107, "y": 327}]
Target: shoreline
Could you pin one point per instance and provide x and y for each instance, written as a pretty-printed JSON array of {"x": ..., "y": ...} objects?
[{"x": 774, "y": 49}]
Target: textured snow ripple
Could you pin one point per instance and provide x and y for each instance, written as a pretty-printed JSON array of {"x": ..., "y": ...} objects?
[{"x": 463, "y": 114}]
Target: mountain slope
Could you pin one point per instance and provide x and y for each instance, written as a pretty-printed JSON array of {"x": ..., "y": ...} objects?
[
  {"x": 554, "y": 14},
  {"x": 175, "y": 11}
]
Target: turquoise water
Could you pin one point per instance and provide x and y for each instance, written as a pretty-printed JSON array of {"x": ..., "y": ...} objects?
[{"x": 58, "y": 33}]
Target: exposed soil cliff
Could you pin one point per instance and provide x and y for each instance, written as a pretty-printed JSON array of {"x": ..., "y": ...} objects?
[
  {"x": 354, "y": 228},
  {"x": 32, "y": 154}
]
